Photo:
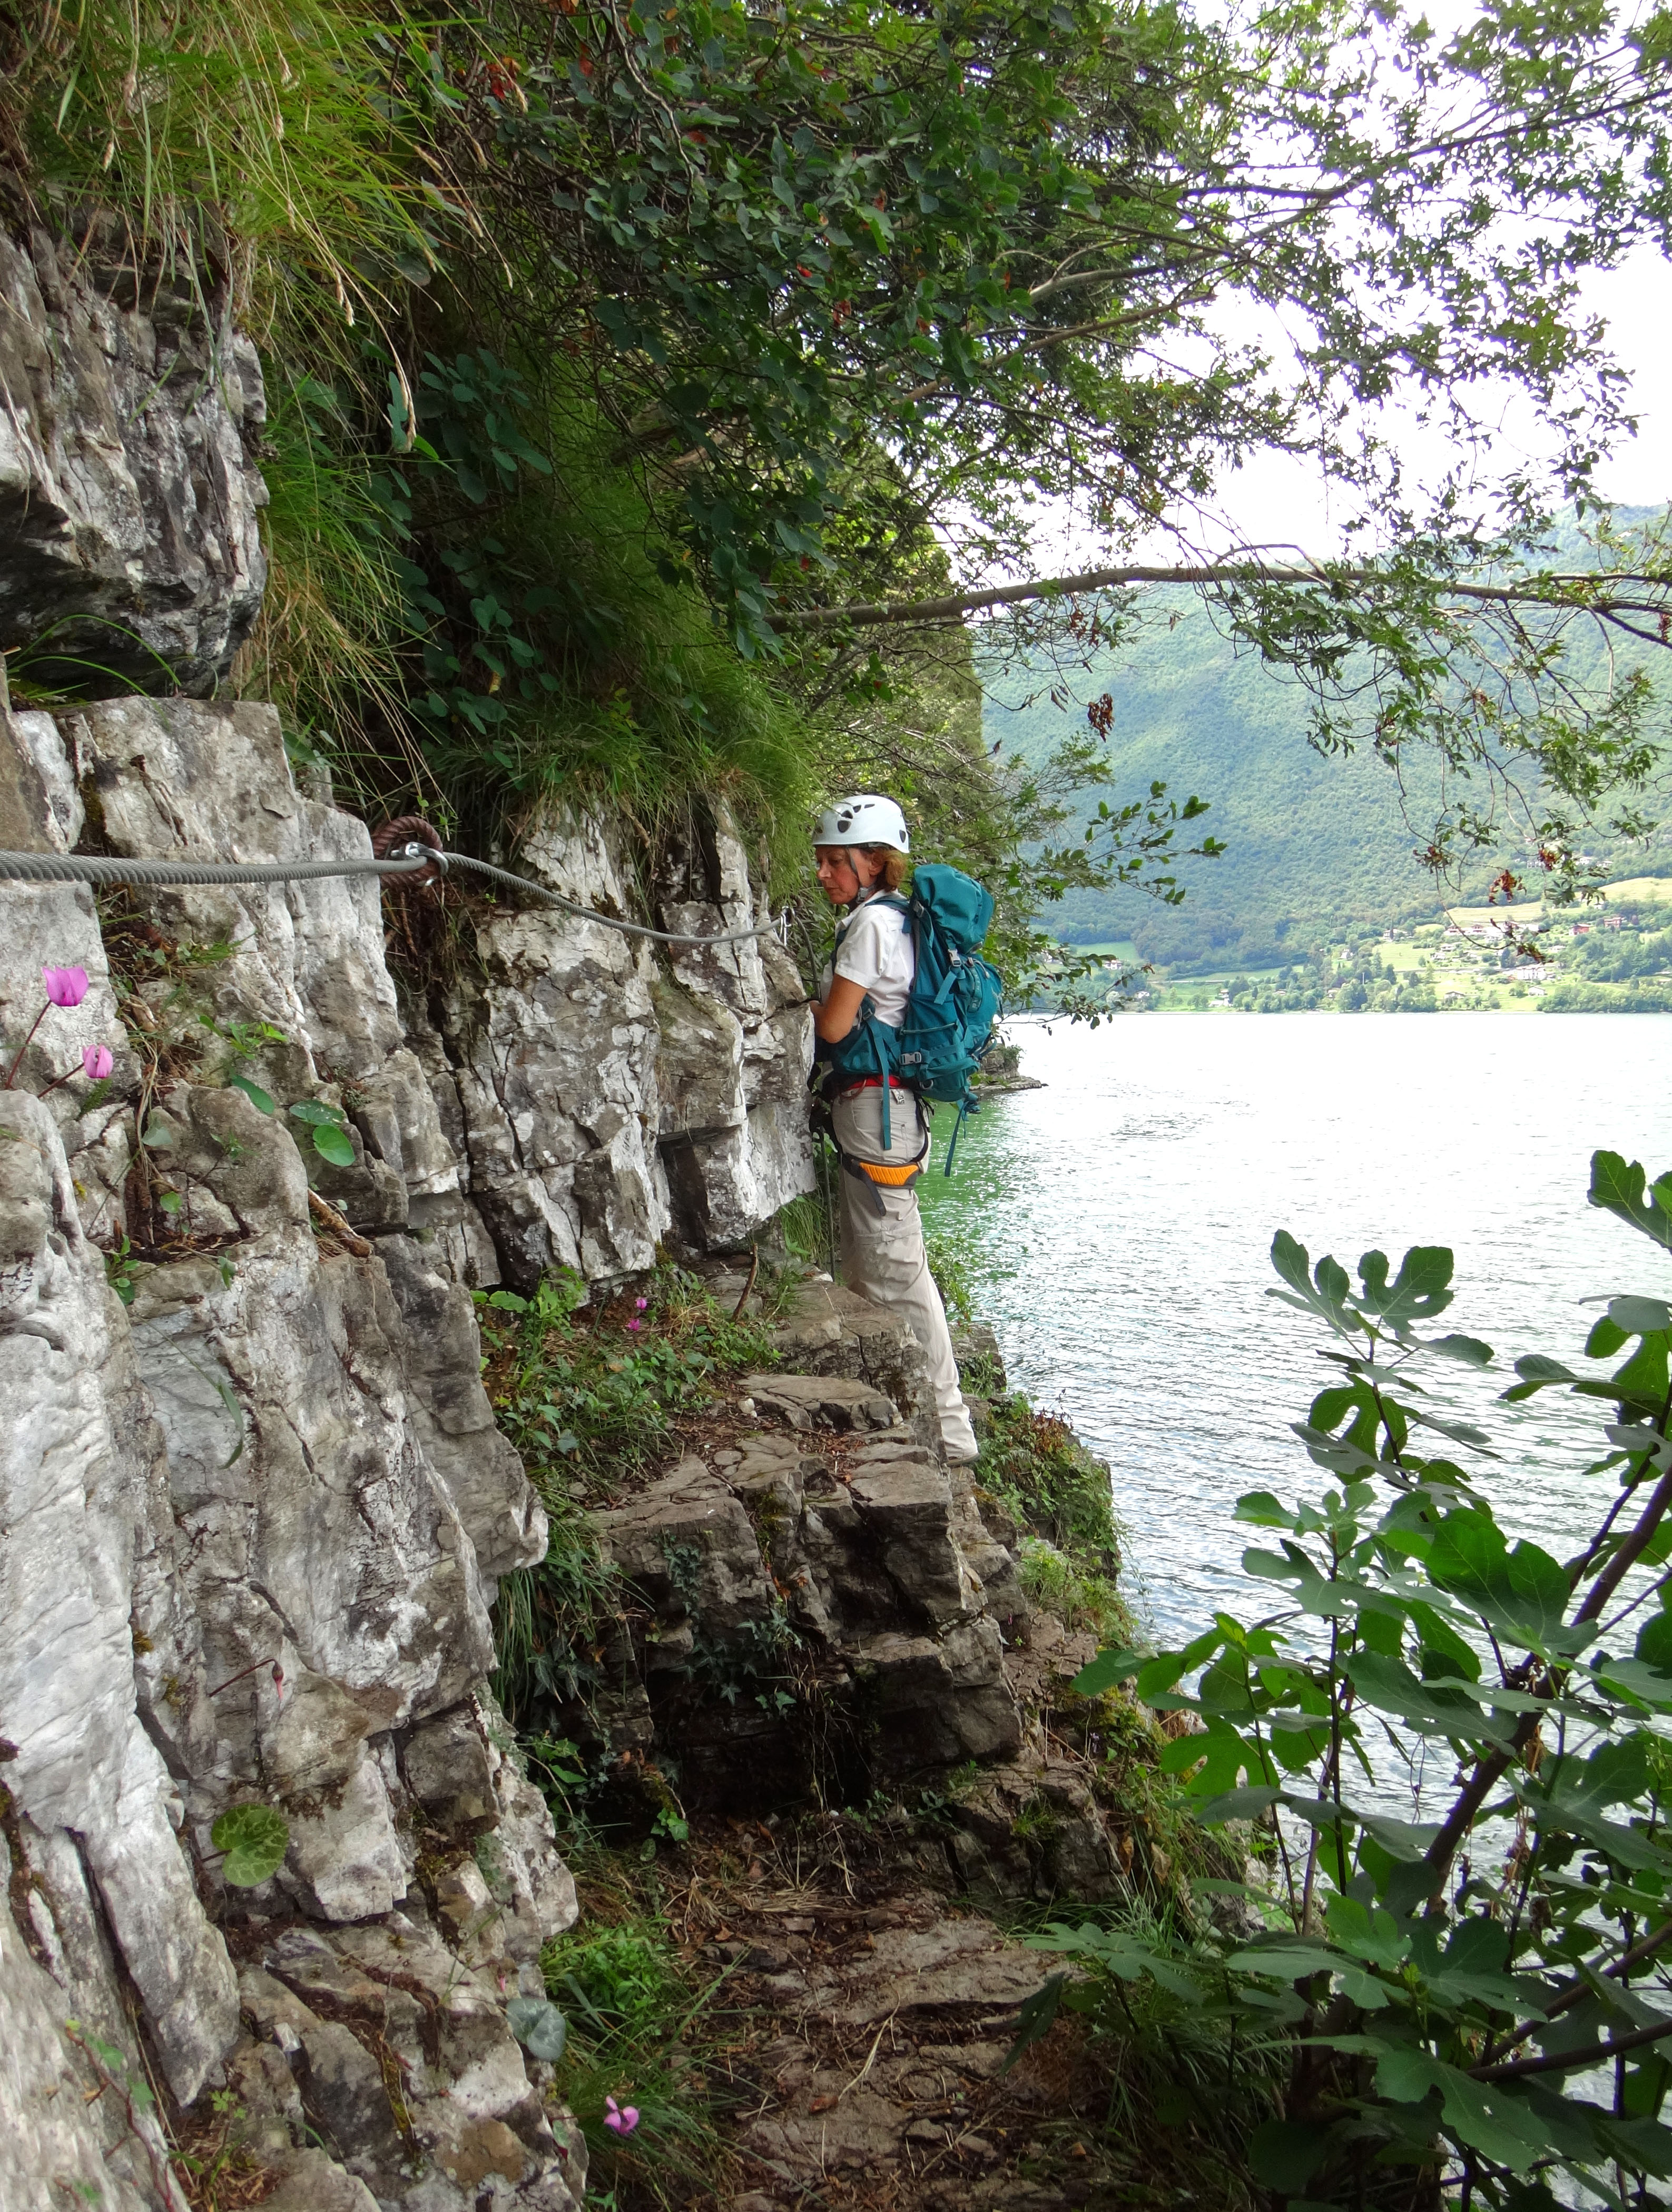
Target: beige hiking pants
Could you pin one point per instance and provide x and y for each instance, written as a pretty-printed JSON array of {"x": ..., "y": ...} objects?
[{"x": 882, "y": 1254}]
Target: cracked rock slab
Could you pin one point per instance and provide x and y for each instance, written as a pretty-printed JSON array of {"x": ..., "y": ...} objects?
[
  {"x": 847, "y": 1405},
  {"x": 76, "y": 1511}
]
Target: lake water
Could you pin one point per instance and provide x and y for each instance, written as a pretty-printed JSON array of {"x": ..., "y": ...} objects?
[{"x": 1118, "y": 1225}]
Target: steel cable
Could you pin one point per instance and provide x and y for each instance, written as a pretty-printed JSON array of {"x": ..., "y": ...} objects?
[
  {"x": 627, "y": 928},
  {"x": 100, "y": 868},
  {"x": 411, "y": 860}
]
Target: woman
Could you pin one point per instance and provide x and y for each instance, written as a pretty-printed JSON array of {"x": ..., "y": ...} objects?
[{"x": 861, "y": 845}]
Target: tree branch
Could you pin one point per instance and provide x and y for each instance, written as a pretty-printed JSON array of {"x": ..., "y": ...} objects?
[
  {"x": 1581, "y": 592},
  {"x": 1565, "y": 2061},
  {"x": 1439, "y": 1856},
  {"x": 1577, "y": 1992}
]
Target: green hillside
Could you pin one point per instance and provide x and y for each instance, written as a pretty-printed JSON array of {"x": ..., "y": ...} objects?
[{"x": 1318, "y": 847}]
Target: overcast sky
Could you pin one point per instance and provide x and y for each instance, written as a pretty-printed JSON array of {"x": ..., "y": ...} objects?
[{"x": 1276, "y": 500}]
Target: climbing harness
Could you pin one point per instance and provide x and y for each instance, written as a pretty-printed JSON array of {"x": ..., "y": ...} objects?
[
  {"x": 889, "y": 1175},
  {"x": 419, "y": 859}
]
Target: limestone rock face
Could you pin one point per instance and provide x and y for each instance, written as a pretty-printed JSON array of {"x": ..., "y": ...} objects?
[
  {"x": 178, "y": 779},
  {"x": 736, "y": 1047},
  {"x": 832, "y": 1331},
  {"x": 335, "y": 2017},
  {"x": 129, "y": 489},
  {"x": 63, "y": 2130},
  {"x": 603, "y": 1104},
  {"x": 74, "y": 1511},
  {"x": 253, "y": 1503},
  {"x": 551, "y": 1053},
  {"x": 48, "y": 925},
  {"x": 251, "y": 1514}
]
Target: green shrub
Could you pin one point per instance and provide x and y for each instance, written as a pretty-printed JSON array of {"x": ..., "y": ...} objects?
[
  {"x": 614, "y": 1982},
  {"x": 1460, "y": 1743},
  {"x": 562, "y": 654},
  {"x": 1037, "y": 1467},
  {"x": 589, "y": 1398}
]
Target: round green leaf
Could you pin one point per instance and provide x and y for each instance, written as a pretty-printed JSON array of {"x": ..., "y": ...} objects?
[
  {"x": 254, "y": 1839},
  {"x": 1640, "y": 1317},
  {"x": 537, "y": 2026},
  {"x": 1285, "y": 2155},
  {"x": 332, "y": 1143},
  {"x": 317, "y": 1114}
]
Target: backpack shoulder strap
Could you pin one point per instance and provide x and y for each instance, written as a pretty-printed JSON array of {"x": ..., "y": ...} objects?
[{"x": 880, "y": 898}]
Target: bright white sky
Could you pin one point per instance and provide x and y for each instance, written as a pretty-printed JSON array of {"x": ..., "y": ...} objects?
[{"x": 1277, "y": 501}]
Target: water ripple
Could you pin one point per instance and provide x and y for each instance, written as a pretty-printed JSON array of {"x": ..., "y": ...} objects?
[{"x": 1119, "y": 1222}]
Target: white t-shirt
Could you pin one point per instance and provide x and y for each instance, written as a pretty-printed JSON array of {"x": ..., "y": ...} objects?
[{"x": 877, "y": 953}]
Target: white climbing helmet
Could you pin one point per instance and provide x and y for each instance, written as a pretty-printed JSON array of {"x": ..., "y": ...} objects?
[{"x": 864, "y": 819}]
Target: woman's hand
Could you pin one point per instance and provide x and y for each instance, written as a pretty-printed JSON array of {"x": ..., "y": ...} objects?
[{"x": 836, "y": 1016}]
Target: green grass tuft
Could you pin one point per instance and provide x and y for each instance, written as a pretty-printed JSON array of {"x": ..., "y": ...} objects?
[
  {"x": 289, "y": 123},
  {"x": 589, "y": 1394},
  {"x": 1079, "y": 1596},
  {"x": 645, "y": 2029}
]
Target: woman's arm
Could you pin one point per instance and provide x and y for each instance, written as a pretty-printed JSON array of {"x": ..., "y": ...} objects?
[{"x": 835, "y": 1017}]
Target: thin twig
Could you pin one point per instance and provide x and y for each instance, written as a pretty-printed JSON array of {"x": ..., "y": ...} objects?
[
  {"x": 754, "y": 1270},
  {"x": 231, "y": 1679},
  {"x": 1566, "y": 2062}
]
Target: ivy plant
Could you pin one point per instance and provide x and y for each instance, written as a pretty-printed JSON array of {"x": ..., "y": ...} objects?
[
  {"x": 253, "y": 1839},
  {"x": 327, "y": 1129},
  {"x": 327, "y": 1126}
]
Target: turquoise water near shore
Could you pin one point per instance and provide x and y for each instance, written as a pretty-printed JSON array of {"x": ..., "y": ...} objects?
[{"x": 1117, "y": 1225}]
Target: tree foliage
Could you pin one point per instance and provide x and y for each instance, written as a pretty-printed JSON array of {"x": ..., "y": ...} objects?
[{"x": 762, "y": 313}]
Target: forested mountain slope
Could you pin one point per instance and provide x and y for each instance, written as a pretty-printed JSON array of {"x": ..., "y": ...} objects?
[{"x": 1316, "y": 846}]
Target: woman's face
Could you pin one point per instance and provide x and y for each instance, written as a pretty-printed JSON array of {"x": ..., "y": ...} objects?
[{"x": 843, "y": 873}]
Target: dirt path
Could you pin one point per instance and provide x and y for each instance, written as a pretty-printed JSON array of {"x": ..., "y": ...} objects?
[{"x": 879, "y": 2013}]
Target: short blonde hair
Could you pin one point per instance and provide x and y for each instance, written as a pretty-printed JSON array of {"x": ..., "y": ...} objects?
[{"x": 897, "y": 866}]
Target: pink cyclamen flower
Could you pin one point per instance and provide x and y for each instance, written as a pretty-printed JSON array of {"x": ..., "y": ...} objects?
[
  {"x": 98, "y": 1061},
  {"x": 635, "y": 1324},
  {"x": 640, "y": 1303},
  {"x": 65, "y": 986},
  {"x": 624, "y": 2118}
]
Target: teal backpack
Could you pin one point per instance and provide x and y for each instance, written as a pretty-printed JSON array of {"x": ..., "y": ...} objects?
[{"x": 955, "y": 997}]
